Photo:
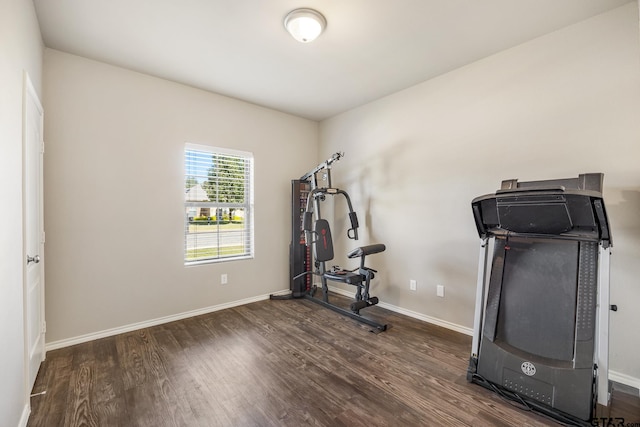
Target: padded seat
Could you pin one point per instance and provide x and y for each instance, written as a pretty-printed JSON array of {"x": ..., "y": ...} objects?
[
  {"x": 344, "y": 276},
  {"x": 367, "y": 250}
]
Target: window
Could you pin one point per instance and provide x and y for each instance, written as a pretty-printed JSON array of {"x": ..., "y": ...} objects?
[{"x": 218, "y": 221}]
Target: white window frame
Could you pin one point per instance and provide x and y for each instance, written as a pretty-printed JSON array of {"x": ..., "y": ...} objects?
[{"x": 214, "y": 234}]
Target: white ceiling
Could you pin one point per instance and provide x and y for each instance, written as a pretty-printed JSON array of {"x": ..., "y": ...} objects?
[{"x": 239, "y": 48}]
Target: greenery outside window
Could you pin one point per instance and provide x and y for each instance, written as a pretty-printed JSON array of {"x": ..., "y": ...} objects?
[{"x": 218, "y": 202}]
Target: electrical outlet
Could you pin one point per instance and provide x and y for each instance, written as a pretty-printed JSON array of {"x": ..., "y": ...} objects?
[
  {"x": 413, "y": 285},
  {"x": 223, "y": 279},
  {"x": 440, "y": 291}
]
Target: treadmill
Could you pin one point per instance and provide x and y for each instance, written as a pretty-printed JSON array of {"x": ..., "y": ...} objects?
[{"x": 541, "y": 325}]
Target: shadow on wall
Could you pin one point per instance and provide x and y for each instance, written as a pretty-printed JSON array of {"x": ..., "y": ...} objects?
[
  {"x": 375, "y": 184},
  {"x": 623, "y": 207},
  {"x": 372, "y": 180},
  {"x": 378, "y": 184},
  {"x": 414, "y": 203}
]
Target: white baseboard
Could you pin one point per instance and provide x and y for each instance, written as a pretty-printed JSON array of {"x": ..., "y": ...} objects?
[
  {"x": 613, "y": 376},
  {"x": 414, "y": 314},
  {"x": 625, "y": 379},
  {"x": 140, "y": 325},
  {"x": 26, "y": 411}
]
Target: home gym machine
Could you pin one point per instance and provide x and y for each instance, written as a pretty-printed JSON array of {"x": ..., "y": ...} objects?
[
  {"x": 312, "y": 240},
  {"x": 541, "y": 325}
]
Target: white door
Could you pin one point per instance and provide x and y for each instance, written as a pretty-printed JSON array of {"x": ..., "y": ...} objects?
[{"x": 33, "y": 231}]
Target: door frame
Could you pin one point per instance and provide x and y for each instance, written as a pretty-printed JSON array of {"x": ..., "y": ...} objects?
[{"x": 30, "y": 95}]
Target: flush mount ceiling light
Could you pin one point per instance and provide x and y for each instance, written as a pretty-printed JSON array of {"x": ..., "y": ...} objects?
[{"x": 305, "y": 25}]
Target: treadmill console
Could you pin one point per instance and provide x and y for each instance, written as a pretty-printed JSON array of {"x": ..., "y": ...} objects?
[{"x": 567, "y": 208}]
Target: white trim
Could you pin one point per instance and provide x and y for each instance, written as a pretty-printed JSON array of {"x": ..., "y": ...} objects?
[
  {"x": 613, "y": 376},
  {"x": 30, "y": 97},
  {"x": 414, "y": 314},
  {"x": 221, "y": 150},
  {"x": 625, "y": 379},
  {"x": 24, "y": 419},
  {"x": 148, "y": 323},
  {"x": 214, "y": 260},
  {"x": 29, "y": 89},
  {"x": 199, "y": 163}
]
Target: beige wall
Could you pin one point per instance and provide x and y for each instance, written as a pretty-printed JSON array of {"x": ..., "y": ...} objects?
[
  {"x": 561, "y": 105},
  {"x": 564, "y": 104},
  {"x": 20, "y": 51},
  {"x": 115, "y": 142}
]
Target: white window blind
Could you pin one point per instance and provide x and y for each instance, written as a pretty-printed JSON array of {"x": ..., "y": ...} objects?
[{"x": 218, "y": 223}]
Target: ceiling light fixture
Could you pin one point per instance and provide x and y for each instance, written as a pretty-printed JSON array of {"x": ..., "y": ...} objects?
[{"x": 305, "y": 25}]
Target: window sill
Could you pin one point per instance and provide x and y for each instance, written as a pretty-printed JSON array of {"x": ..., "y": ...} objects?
[{"x": 216, "y": 261}]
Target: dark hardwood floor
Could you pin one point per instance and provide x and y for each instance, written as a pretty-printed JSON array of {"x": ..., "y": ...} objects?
[{"x": 276, "y": 363}]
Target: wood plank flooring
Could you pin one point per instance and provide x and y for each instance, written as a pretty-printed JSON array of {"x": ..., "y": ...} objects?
[{"x": 276, "y": 363}]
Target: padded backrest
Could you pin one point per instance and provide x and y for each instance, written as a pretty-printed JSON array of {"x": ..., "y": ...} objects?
[{"x": 323, "y": 245}]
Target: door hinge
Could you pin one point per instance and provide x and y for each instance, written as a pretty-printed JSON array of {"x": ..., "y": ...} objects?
[
  {"x": 42, "y": 238},
  {"x": 42, "y": 147},
  {"x": 44, "y": 327}
]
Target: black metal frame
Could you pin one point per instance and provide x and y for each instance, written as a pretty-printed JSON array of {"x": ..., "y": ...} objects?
[
  {"x": 381, "y": 327},
  {"x": 306, "y": 199},
  {"x": 566, "y": 210}
]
